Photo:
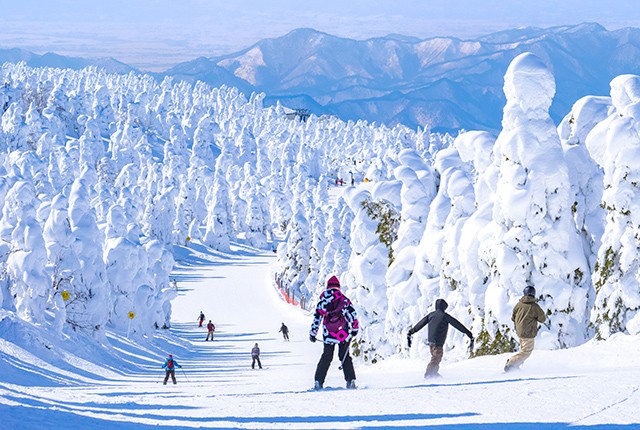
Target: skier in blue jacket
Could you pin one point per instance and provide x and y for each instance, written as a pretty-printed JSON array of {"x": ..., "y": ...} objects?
[{"x": 170, "y": 365}]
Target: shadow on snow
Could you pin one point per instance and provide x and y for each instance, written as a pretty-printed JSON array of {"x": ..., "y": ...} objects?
[{"x": 32, "y": 417}]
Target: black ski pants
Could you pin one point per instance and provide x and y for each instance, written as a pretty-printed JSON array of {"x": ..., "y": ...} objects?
[
  {"x": 327, "y": 356},
  {"x": 253, "y": 362}
]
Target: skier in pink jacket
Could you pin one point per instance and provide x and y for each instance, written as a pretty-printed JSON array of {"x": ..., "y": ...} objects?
[{"x": 339, "y": 325}]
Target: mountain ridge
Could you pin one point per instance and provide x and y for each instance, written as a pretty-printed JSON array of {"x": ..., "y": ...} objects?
[
  {"x": 362, "y": 79},
  {"x": 51, "y": 59}
]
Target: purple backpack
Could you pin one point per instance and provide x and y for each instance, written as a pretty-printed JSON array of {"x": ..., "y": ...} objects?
[{"x": 334, "y": 321}]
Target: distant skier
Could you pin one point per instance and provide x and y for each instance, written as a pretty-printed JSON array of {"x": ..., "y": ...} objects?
[
  {"x": 255, "y": 356},
  {"x": 340, "y": 325},
  {"x": 200, "y": 319},
  {"x": 285, "y": 332},
  {"x": 170, "y": 365},
  {"x": 210, "y": 329},
  {"x": 438, "y": 321},
  {"x": 526, "y": 315}
]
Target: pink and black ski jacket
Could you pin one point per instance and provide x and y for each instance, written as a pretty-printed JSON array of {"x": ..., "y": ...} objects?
[{"x": 330, "y": 299}]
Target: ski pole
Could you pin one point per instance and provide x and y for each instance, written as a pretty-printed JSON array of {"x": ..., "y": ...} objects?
[
  {"x": 185, "y": 375},
  {"x": 346, "y": 353},
  {"x": 158, "y": 379}
]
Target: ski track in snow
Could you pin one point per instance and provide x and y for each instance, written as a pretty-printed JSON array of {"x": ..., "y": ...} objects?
[
  {"x": 218, "y": 389},
  {"x": 624, "y": 399}
]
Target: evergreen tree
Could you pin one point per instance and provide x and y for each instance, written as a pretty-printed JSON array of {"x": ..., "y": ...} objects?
[
  {"x": 617, "y": 302},
  {"x": 531, "y": 211},
  {"x": 90, "y": 303}
]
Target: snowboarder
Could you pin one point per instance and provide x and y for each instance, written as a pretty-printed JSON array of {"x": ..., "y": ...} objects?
[
  {"x": 340, "y": 325},
  {"x": 438, "y": 321},
  {"x": 285, "y": 332},
  {"x": 170, "y": 365},
  {"x": 211, "y": 328},
  {"x": 526, "y": 315},
  {"x": 200, "y": 319},
  {"x": 255, "y": 356}
]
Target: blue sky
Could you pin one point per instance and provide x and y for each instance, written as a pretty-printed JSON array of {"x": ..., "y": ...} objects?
[{"x": 157, "y": 33}]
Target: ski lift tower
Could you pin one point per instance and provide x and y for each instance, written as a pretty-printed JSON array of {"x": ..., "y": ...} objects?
[{"x": 303, "y": 114}]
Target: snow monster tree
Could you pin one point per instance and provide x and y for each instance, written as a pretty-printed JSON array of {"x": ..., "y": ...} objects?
[{"x": 533, "y": 238}]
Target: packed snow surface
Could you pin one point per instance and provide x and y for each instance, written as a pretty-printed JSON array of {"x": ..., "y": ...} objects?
[{"x": 591, "y": 386}]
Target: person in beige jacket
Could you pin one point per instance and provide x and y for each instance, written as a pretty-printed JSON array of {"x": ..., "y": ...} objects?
[{"x": 526, "y": 315}]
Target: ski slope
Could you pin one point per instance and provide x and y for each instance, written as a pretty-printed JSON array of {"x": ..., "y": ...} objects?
[{"x": 593, "y": 386}]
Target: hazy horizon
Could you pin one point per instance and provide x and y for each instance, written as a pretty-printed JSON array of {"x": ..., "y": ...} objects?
[{"x": 156, "y": 34}]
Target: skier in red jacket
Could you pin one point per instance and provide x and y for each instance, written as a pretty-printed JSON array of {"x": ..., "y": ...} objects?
[{"x": 211, "y": 328}]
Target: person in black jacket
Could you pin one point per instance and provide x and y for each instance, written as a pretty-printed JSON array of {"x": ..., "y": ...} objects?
[
  {"x": 438, "y": 321},
  {"x": 285, "y": 332}
]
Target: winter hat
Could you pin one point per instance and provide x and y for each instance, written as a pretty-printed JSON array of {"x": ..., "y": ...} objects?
[
  {"x": 333, "y": 283},
  {"x": 170, "y": 355}
]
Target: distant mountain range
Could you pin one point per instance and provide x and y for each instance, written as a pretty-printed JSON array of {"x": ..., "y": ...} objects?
[
  {"x": 49, "y": 59},
  {"x": 443, "y": 83}
]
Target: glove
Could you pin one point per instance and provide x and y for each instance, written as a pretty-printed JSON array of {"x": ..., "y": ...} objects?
[
  {"x": 409, "y": 340},
  {"x": 354, "y": 333},
  {"x": 312, "y": 338}
]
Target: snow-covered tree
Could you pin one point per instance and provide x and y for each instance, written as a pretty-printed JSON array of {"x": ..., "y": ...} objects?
[
  {"x": 294, "y": 251},
  {"x": 534, "y": 238},
  {"x": 29, "y": 283},
  {"x": 335, "y": 259},
  {"x": 366, "y": 284},
  {"x": 586, "y": 174},
  {"x": 89, "y": 306},
  {"x": 62, "y": 258},
  {"x": 617, "y": 267},
  {"x": 258, "y": 221}
]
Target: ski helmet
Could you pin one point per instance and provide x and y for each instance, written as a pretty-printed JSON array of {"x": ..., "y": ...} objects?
[{"x": 529, "y": 290}]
